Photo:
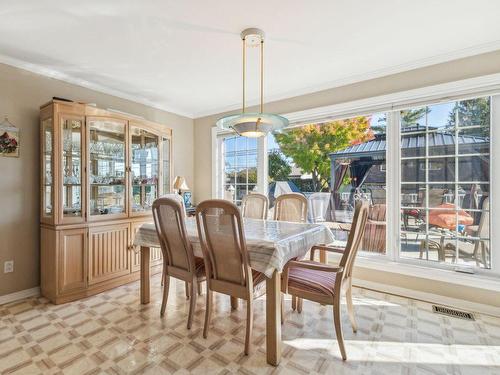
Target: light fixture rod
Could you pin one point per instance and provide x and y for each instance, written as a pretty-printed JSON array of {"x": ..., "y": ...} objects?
[
  {"x": 262, "y": 76},
  {"x": 244, "y": 72}
]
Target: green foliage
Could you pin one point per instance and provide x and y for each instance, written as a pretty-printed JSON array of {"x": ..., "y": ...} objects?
[
  {"x": 309, "y": 146},
  {"x": 279, "y": 169},
  {"x": 410, "y": 117},
  {"x": 241, "y": 176},
  {"x": 472, "y": 112}
]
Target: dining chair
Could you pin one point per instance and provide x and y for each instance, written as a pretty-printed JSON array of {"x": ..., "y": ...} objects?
[
  {"x": 178, "y": 257},
  {"x": 226, "y": 258},
  {"x": 254, "y": 206},
  {"x": 291, "y": 207},
  {"x": 323, "y": 283},
  {"x": 179, "y": 198}
]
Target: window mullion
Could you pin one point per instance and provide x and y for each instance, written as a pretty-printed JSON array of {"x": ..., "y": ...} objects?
[{"x": 393, "y": 173}]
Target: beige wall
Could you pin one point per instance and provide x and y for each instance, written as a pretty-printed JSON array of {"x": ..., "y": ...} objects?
[
  {"x": 21, "y": 94},
  {"x": 470, "y": 67}
]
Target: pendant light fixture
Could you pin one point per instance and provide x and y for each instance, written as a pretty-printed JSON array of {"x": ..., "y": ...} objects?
[{"x": 253, "y": 124}]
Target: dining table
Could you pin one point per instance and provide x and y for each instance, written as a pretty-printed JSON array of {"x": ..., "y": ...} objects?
[{"x": 270, "y": 245}]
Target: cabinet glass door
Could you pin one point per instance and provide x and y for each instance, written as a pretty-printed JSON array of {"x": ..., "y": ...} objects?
[
  {"x": 47, "y": 175},
  {"x": 144, "y": 168},
  {"x": 72, "y": 197},
  {"x": 107, "y": 178},
  {"x": 165, "y": 165}
]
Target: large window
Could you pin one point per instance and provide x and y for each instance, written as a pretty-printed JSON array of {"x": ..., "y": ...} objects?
[
  {"x": 240, "y": 167},
  {"x": 445, "y": 182},
  {"x": 428, "y": 172}
]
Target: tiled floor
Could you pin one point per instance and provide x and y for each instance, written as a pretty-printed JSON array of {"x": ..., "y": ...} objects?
[{"x": 111, "y": 333}]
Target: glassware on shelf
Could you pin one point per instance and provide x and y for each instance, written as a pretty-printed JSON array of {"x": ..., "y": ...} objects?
[
  {"x": 144, "y": 168},
  {"x": 107, "y": 167},
  {"x": 72, "y": 132}
]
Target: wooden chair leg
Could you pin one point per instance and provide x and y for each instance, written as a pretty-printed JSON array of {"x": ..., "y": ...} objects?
[
  {"x": 166, "y": 285},
  {"x": 350, "y": 309},
  {"x": 234, "y": 303},
  {"x": 187, "y": 289},
  {"x": 294, "y": 303},
  {"x": 192, "y": 304},
  {"x": 163, "y": 276},
  {"x": 208, "y": 312},
  {"x": 282, "y": 308},
  {"x": 338, "y": 327},
  {"x": 248, "y": 335},
  {"x": 299, "y": 305}
]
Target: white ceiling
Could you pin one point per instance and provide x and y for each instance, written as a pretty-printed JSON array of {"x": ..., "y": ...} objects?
[{"x": 185, "y": 56}]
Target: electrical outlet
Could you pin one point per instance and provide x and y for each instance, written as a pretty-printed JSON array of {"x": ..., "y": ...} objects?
[{"x": 8, "y": 266}]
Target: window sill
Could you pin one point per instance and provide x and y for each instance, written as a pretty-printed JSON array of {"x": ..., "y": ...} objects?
[{"x": 480, "y": 281}]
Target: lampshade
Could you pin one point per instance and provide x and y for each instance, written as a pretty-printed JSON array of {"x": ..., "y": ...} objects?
[
  {"x": 180, "y": 183},
  {"x": 253, "y": 125}
]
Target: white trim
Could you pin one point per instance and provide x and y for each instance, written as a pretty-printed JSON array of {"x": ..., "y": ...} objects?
[
  {"x": 215, "y": 163},
  {"x": 421, "y": 63},
  {"x": 51, "y": 73},
  {"x": 16, "y": 296},
  {"x": 429, "y": 297},
  {"x": 485, "y": 85}
]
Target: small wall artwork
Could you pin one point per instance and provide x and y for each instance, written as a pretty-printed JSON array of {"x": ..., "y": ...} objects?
[{"x": 9, "y": 139}]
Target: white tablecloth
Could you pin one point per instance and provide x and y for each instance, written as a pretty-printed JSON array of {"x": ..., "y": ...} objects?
[{"x": 271, "y": 244}]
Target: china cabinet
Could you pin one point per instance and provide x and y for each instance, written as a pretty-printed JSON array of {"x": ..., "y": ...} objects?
[{"x": 100, "y": 173}]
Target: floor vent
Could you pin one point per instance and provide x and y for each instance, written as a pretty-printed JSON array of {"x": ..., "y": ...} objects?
[{"x": 453, "y": 313}]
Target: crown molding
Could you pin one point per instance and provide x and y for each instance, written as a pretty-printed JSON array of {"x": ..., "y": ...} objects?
[
  {"x": 50, "y": 73},
  {"x": 433, "y": 60},
  {"x": 483, "y": 85},
  {"x": 416, "y": 64}
]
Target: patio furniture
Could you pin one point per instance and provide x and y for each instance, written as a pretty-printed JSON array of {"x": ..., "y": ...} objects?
[
  {"x": 270, "y": 245},
  {"x": 319, "y": 208},
  {"x": 474, "y": 245},
  {"x": 220, "y": 230},
  {"x": 375, "y": 231},
  {"x": 446, "y": 216},
  {"x": 323, "y": 283},
  {"x": 178, "y": 257},
  {"x": 254, "y": 206},
  {"x": 291, "y": 207}
]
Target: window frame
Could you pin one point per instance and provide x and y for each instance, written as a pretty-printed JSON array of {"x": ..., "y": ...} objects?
[{"x": 392, "y": 104}]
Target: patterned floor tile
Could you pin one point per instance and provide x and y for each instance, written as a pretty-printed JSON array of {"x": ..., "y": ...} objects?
[{"x": 112, "y": 333}]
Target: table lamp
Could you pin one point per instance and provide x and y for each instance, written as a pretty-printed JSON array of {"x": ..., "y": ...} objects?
[{"x": 180, "y": 184}]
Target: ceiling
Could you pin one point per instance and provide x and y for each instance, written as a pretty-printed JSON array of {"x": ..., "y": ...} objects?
[{"x": 185, "y": 56}]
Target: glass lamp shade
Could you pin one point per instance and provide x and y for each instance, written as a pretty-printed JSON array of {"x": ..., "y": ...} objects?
[{"x": 253, "y": 125}]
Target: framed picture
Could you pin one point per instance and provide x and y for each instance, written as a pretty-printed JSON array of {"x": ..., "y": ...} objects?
[
  {"x": 9, "y": 139},
  {"x": 187, "y": 198}
]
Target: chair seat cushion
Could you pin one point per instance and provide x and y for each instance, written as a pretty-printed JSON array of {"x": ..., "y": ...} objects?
[{"x": 312, "y": 281}]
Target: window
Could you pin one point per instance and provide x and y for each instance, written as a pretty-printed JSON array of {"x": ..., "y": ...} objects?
[
  {"x": 240, "y": 167},
  {"x": 427, "y": 171},
  {"x": 445, "y": 182}
]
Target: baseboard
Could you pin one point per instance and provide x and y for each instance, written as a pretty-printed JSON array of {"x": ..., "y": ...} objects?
[
  {"x": 429, "y": 297},
  {"x": 33, "y": 292}
]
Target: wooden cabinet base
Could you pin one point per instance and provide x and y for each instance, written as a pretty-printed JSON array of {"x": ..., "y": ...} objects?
[
  {"x": 78, "y": 261},
  {"x": 99, "y": 288}
]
